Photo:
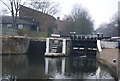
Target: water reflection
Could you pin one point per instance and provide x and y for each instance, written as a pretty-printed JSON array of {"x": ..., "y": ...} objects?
[
  {"x": 54, "y": 65},
  {"x": 37, "y": 67},
  {"x": 71, "y": 68}
]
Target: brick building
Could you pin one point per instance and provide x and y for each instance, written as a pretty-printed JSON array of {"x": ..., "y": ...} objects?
[
  {"x": 45, "y": 22},
  {"x": 60, "y": 26}
]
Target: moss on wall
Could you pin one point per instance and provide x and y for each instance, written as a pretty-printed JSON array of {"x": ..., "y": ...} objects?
[{"x": 14, "y": 45}]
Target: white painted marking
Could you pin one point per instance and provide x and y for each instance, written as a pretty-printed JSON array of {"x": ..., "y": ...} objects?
[
  {"x": 47, "y": 45},
  {"x": 55, "y": 35},
  {"x": 64, "y": 46},
  {"x": 99, "y": 46}
]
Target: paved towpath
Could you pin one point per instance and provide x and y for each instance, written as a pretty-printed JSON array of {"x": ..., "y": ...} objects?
[{"x": 109, "y": 55}]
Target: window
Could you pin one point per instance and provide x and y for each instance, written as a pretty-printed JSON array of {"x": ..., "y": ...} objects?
[
  {"x": 9, "y": 25},
  {"x": 33, "y": 19},
  {"x": 20, "y": 26}
]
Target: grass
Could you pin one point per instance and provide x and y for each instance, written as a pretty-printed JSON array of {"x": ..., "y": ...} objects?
[{"x": 32, "y": 34}]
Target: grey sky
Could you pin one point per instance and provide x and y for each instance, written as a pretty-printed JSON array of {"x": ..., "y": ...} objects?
[{"x": 100, "y": 10}]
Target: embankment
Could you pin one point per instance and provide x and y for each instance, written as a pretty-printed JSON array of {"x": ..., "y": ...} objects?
[
  {"x": 108, "y": 59},
  {"x": 14, "y": 44}
]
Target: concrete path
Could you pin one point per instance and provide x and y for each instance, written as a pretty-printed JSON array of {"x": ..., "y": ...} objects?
[{"x": 110, "y": 55}]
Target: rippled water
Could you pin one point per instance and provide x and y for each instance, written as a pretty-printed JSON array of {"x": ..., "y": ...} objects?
[{"x": 37, "y": 67}]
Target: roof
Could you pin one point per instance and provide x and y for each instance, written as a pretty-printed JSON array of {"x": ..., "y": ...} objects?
[
  {"x": 8, "y": 19},
  {"x": 61, "y": 25},
  {"x": 35, "y": 11},
  {"x": 44, "y": 21}
]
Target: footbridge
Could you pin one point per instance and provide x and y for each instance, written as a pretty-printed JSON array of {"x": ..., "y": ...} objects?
[{"x": 61, "y": 45}]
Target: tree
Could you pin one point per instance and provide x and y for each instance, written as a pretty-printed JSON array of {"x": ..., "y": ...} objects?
[
  {"x": 13, "y": 6},
  {"x": 45, "y": 6},
  {"x": 111, "y": 28},
  {"x": 69, "y": 25},
  {"x": 82, "y": 23},
  {"x": 4, "y": 11}
]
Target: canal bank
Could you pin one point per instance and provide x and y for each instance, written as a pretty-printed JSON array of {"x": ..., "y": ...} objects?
[
  {"x": 36, "y": 67},
  {"x": 108, "y": 58},
  {"x": 15, "y": 45}
]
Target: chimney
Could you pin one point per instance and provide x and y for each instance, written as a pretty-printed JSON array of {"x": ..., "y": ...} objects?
[{"x": 58, "y": 18}]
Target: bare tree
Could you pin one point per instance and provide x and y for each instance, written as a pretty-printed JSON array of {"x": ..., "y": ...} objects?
[
  {"x": 45, "y": 6},
  {"x": 111, "y": 28},
  {"x": 81, "y": 20},
  {"x": 69, "y": 25},
  {"x": 4, "y": 11},
  {"x": 13, "y": 6}
]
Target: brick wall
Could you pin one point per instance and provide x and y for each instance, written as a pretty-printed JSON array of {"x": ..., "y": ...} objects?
[{"x": 44, "y": 20}]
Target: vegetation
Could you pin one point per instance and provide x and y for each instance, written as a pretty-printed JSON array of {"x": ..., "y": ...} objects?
[
  {"x": 13, "y": 6},
  {"x": 79, "y": 21},
  {"x": 111, "y": 28},
  {"x": 32, "y": 33},
  {"x": 14, "y": 45},
  {"x": 45, "y": 6},
  {"x": 9, "y": 31},
  {"x": 22, "y": 32}
]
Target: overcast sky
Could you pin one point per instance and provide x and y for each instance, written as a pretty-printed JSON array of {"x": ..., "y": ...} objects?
[{"x": 100, "y": 10}]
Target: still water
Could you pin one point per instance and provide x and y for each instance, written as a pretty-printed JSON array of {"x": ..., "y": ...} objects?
[{"x": 37, "y": 67}]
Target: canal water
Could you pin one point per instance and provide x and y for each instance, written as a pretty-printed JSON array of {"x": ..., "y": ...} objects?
[{"x": 33, "y": 66}]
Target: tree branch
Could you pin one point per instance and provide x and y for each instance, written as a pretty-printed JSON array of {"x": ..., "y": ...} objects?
[{"x": 6, "y": 5}]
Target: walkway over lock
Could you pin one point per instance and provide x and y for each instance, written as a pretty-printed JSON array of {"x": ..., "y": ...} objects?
[
  {"x": 75, "y": 36},
  {"x": 65, "y": 46}
]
